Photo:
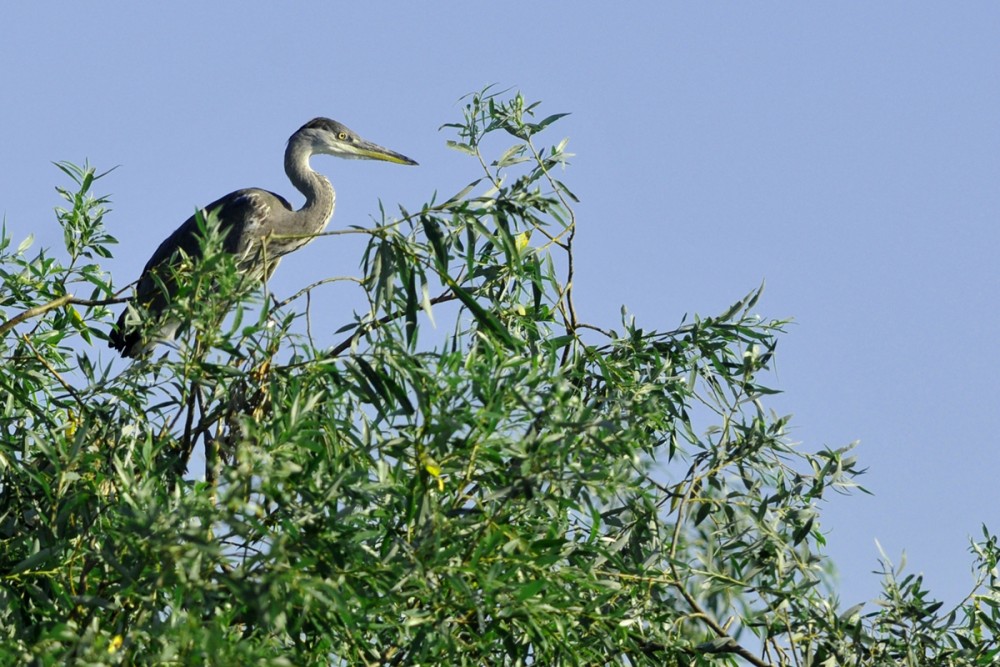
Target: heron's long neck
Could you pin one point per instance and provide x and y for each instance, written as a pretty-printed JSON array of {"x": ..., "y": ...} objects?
[{"x": 319, "y": 194}]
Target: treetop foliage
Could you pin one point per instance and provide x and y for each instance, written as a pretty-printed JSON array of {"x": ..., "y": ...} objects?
[{"x": 467, "y": 472}]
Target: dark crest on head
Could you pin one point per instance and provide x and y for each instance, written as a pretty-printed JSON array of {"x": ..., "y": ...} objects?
[{"x": 326, "y": 125}]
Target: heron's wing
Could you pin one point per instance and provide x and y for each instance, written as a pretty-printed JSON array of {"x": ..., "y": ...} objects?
[
  {"x": 242, "y": 216},
  {"x": 248, "y": 218},
  {"x": 245, "y": 216}
]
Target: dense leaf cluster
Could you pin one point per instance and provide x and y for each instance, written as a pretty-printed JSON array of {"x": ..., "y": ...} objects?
[{"x": 510, "y": 486}]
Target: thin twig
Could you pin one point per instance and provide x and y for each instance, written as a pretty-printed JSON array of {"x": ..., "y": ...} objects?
[
  {"x": 371, "y": 231},
  {"x": 55, "y": 374},
  {"x": 567, "y": 292},
  {"x": 720, "y": 631},
  {"x": 309, "y": 331},
  {"x": 604, "y": 332},
  {"x": 189, "y": 438},
  {"x": 309, "y": 288},
  {"x": 385, "y": 319},
  {"x": 51, "y": 305}
]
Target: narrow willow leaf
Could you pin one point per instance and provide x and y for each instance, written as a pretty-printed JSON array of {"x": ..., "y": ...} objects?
[
  {"x": 484, "y": 317},
  {"x": 530, "y": 589},
  {"x": 464, "y": 148},
  {"x": 25, "y": 244},
  {"x": 425, "y": 303},
  {"x": 548, "y": 120},
  {"x": 411, "y": 309},
  {"x": 461, "y": 194},
  {"x": 432, "y": 228},
  {"x": 511, "y": 156}
]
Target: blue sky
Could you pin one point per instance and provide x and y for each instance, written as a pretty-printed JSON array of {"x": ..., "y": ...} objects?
[{"x": 848, "y": 153}]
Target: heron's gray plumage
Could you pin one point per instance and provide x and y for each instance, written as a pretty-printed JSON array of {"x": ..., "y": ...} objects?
[{"x": 259, "y": 227}]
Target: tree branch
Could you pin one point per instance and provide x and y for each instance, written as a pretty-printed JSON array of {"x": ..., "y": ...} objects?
[
  {"x": 385, "y": 319},
  {"x": 51, "y": 305}
]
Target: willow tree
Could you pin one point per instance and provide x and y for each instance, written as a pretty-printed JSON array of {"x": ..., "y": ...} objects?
[{"x": 469, "y": 471}]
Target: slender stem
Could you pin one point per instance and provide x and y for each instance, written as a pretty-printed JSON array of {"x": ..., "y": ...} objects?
[
  {"x": 305, "y": 291},
  {"x": 51, "y": 305},
  {"x": 55, "y": 373},
  {"x": 566, "y": 291},
  {"x": 385, "y": 319}
]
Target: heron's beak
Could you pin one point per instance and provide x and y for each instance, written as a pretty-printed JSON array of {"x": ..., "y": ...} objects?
[{"x": 366, "y": 150}]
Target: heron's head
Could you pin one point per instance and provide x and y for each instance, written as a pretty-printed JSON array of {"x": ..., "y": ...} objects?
[{"x": 331, "y": 138}]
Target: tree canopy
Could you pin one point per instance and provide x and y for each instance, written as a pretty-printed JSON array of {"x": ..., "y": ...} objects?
[{"x": 469, "y": 472}]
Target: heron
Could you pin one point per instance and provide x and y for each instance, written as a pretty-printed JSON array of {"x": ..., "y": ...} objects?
[{"x": 258, "y": 227}]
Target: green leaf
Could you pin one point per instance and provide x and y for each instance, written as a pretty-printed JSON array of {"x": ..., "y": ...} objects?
[
  {"x": 25, "y": 244},
  {"x": 485, "y": 318},
  {"x": 432, "y": 228},
  {"x": 461, "y": 194},
  {"x": 461, "y": 147},
  {"x": 410, "y": 309},
  {"x": 548, "y": 120},
  {"x": 513, "y": 155},
  {"x": 530, "y": 589},
  {"x": 425, "y": 302}
]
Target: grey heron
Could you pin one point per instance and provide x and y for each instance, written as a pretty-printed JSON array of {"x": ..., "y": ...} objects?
[{"x": 258, "y": 226}]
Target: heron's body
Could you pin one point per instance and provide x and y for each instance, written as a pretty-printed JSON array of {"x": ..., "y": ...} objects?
[{"x": 258, "y": 227}]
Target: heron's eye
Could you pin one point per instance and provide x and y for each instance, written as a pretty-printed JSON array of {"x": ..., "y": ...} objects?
[{"x": 342, "y": 136}]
